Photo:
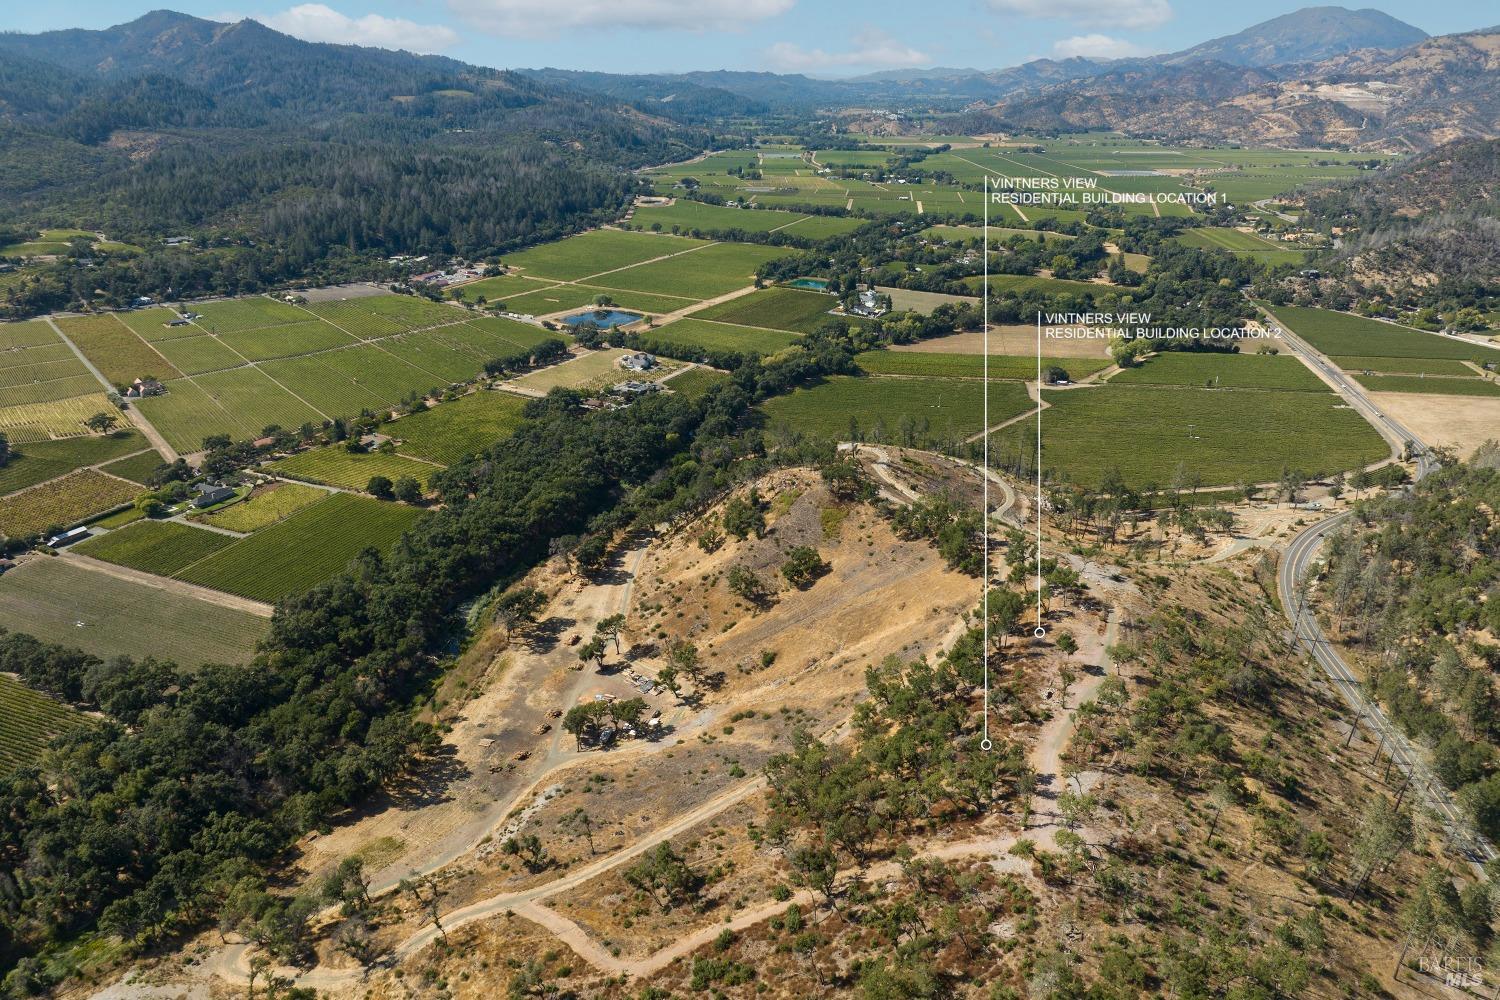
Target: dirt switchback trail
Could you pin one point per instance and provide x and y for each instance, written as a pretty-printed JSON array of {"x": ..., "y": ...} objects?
[
  {"x": 232, "y": 963},
  {"x": 1045, "y": 758},
  {"x": 595, "y": 603}
]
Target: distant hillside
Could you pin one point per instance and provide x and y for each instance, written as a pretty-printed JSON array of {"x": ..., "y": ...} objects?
[
  {"x": 1438, "y": 90},
  {"x": 1462, "y": 178},
  {"x": 1423, "y": 234},
  {"x": 665, "y": 95},
  {"x": 252, "y": 75},
  {"x": 1308, "y": 35},
  {"x": 1179, "y": 94},
  {"x": 296, "y": 153}
]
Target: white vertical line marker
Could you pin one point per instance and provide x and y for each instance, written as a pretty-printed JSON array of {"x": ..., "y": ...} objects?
[
  {"x": 1040, "y": 630},
  {"x": 984, "y": 513}
]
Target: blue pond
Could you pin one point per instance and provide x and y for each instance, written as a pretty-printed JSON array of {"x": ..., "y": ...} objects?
[
  {"x": 604, "y": 319},
  {"x": 816, "y": 284}
]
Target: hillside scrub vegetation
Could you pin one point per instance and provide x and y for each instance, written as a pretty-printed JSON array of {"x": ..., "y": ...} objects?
[{"x": 1413, "y": 585}]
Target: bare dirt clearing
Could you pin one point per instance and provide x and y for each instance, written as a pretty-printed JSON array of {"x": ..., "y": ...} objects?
[
  {"x": 797, "y": 661},
  {"x": 1462, "y": 423},
  {"x": 471, "y": 785}
]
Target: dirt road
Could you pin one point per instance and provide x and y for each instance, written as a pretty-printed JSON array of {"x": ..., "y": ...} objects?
[
  {"x": 232, "y": 963},
  {"x": 170, "y": 586}
]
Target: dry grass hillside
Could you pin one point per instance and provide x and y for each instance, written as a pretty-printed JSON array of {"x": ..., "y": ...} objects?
[
  {"x": 1167, "y": 809},
  {"x": 1165, "y": 805}
]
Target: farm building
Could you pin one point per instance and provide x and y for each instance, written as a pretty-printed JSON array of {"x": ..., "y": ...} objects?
[
  {"x": 210, "y": 495},
  {"x": 634, "y": 388},
  {"x": 67, "y": 538},
  {"x": 141, "y": 388},
  {"x": 638, "y": 362},
  {"x": 868, "y": 304}
]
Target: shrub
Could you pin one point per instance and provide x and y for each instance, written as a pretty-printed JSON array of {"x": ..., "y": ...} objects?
[{"x": 803, "y": 565}]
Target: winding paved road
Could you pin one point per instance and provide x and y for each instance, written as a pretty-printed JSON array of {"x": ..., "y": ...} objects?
[{"x": 1299, "y": 556}]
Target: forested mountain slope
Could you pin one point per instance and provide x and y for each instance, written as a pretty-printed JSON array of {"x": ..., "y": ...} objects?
[
  {"x": 298, "y": 158},
  {"x": 1423, "y": 232},
  {"x": 1414, "y": 587}
]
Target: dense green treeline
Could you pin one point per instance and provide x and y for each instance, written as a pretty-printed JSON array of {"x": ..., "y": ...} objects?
[
  {"x": 145, "y": 824},
  {"x": 297, "y": 210}
]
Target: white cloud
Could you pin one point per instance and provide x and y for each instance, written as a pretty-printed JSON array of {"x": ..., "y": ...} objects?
[
  {"x": 1097, "y": 47},
  {"x": 316, "y": 22},
  {"x": 551, "y": 17},
  {"x": 873, "y": 50},
  {"x": 1104, "y": 13}
]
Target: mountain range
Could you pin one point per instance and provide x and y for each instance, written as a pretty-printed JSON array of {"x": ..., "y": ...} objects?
[
  {"x": 1317, "y": 76},
  {"x": 1320, "y": 76},
  {"x": 83, "y": 112},
  {"x": 1417, "y": 97},
  {"x": 1308, "y": 35}
]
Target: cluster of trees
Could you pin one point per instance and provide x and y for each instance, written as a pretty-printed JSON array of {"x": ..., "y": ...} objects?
[
  {"x": 916, "y": 746},
  {"x": 803, "y": 565},
  {"x": 956, "y": 529},
  {"x": 548, "y": 351},
  {"x": 1100, "y": 513},
  {"x": 1415, "y": 580},
  {"x": 196, "y": 780},
  {"x": 589, "y": 720},
  {"x": 1081, "y": 258},
  {"x": 403, "y": 488}
]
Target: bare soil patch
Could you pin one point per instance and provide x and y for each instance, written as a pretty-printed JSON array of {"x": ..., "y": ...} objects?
[{"x": 1462, "y": 423}]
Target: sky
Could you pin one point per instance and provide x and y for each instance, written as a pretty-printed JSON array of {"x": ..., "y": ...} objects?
[{"x": 826, "y": 38}]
